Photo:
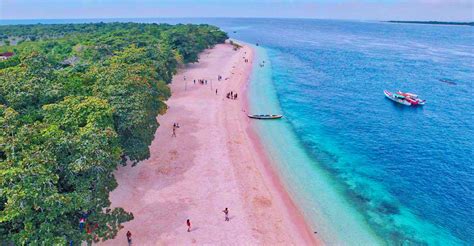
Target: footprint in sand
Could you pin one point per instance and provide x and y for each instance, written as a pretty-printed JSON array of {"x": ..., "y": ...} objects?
[
  {"x": 163, "y": 170},
  {"x": 262, "y": 201},
  {"x": 257, "y": 230},
  {"x": 173, "y": 155},
  {"x": 143, "y": 175}
]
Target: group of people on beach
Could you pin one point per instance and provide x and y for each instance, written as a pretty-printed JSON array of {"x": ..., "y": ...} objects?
[
  {"x": 188, "y": 224},
  {"x": 89, "y": 227},
  {"x": 226, "y": 218},
  {"x": 220, "y": 78},
  {"x": 245, "y": 58},
  {"x": 201, "y": 81},
  {"x": 83, "y": 223},
  {"x": 231, "y": 95}
]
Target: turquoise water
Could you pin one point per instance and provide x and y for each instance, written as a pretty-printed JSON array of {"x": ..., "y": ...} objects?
[
  {"x": 362, "y": 169},
  {"x": 308, "y": 184},
  {"x": 324, "y": 201},
  {"x": 355, "y": 162}
]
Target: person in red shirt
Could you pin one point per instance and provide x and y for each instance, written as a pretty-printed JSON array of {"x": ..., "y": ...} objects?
[{"x": 129, "y": 238}]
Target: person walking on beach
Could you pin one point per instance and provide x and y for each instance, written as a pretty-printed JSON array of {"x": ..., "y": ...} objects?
[
  {"x": 174, "y": 130},
  {"x": 216, "y": 91},
  {"x": 226, "y": 213},
  {"x": 188, "y": 223},
  {"x": 129, "y": 238}
]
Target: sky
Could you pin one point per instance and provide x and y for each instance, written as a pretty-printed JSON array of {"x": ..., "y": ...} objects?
[{"x": 440, "y": 10}]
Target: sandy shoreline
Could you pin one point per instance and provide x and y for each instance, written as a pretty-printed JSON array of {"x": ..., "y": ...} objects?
[{"x": 215, "y": 161}]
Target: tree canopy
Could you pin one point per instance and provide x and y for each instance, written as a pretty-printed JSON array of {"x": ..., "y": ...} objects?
[{"x": 76, "y": 101}]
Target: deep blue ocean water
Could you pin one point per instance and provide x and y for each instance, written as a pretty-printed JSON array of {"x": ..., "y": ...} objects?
[{"x": 408, "y": 171}]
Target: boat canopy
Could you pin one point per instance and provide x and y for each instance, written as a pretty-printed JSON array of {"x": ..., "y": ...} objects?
[{"x": 399, "y": 96}]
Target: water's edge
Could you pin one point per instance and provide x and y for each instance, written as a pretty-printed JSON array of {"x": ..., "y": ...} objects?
[{"x": 323, "y": 206}]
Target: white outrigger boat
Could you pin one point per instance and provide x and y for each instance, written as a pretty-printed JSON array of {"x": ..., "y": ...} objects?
[
  {"x": 265, "y": 116},
  {"x": 407, "y": 99}
]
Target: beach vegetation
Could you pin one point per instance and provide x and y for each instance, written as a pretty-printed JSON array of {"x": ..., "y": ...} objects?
[
  {"x": 235, "y": 46},
  {"x": 76, "y": 101}
]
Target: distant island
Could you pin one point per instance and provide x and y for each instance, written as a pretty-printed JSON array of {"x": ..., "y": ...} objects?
[{"x": 435, "y": 23}]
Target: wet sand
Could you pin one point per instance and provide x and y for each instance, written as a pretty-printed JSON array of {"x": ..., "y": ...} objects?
[{"x": 214, "y": 162}]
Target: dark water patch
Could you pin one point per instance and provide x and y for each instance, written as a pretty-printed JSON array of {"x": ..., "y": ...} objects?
[
  {"x": 358, "y": 197},
  {"x": 448, "y": 81},
  {"x": 388, "y": 208}
]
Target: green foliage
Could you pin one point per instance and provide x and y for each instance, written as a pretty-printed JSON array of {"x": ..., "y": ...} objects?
[
  {"x": 9, "y": 62},
  {"x": 53, "y": 170},
  {"x": 128, "y": 81},
  {"x": 30, "y": 84},
  {"x": 76, "y": 100},
  {"x": 189, "y": 40}
]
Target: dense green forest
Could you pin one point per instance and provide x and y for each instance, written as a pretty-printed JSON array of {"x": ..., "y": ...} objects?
[{"x": 76, "y": 101}]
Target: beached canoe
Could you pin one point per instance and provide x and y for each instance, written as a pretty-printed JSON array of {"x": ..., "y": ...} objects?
[{"x": 265, "y": 116}]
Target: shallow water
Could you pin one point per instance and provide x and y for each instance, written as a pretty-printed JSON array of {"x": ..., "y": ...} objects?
[
  {"x": 408, "y": 171},
  {"x": 313, "y": 189},
  {"x": 352, "y": 160}
]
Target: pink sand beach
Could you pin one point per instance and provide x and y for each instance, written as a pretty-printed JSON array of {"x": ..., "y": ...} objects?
[{"x": 214, "y": 162}]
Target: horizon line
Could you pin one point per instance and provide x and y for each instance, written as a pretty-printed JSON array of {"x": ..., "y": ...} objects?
[{"x": 226, "y": 17}]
